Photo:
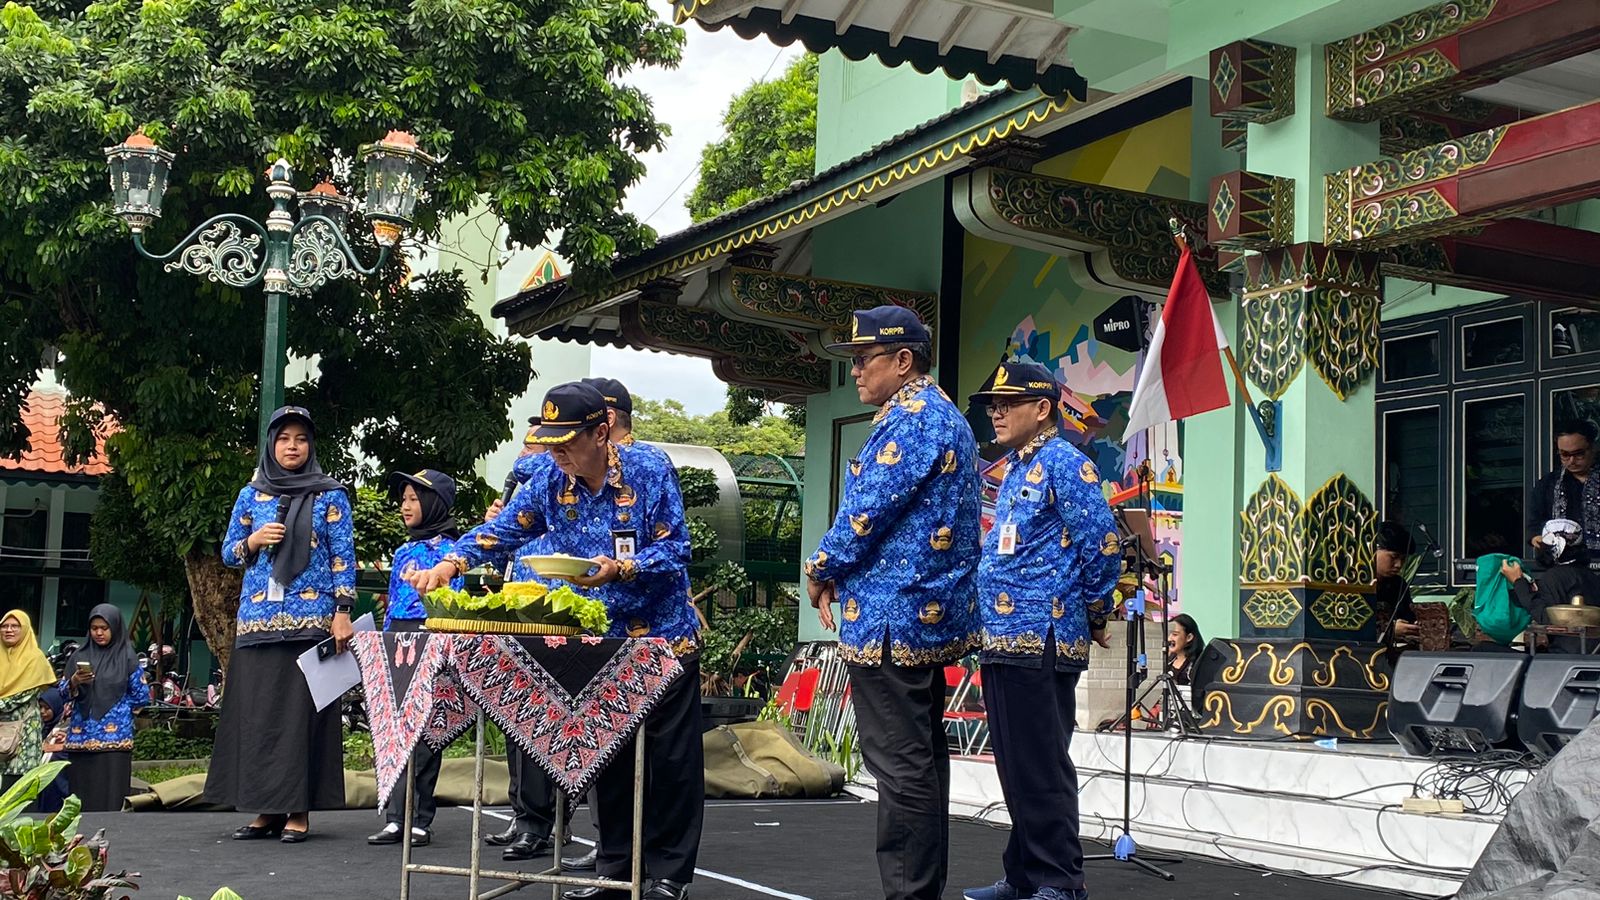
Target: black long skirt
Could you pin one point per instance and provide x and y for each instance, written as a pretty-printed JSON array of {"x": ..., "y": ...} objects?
[
  {"x": 102, "y": 779},
  {"x": 275, "y": 753}
]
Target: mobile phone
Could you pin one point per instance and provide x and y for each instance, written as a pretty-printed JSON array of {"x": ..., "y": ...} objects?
[
  {"x": 84, "y": 667},
  {"x": 326, "y": 649}
]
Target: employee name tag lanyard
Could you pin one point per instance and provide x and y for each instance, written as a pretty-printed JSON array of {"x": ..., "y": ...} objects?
[{"x": 1008, "y": 530}]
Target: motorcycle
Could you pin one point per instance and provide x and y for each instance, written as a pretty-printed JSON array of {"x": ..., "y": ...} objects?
[{"x": 61, "y": 654}]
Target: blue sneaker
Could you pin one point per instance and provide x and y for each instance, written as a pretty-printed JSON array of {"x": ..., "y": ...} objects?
[
  {"x": 1054, "y": 893},
  {"x": 1000, "y": 890}
]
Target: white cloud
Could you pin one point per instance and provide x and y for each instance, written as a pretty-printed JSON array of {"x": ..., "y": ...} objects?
[{"x": 691, "y": 98}]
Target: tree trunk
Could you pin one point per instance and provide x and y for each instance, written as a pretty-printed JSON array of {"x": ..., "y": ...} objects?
[{"x": 215, "y": 589}]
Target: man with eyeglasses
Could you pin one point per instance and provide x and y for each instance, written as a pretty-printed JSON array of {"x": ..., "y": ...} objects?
[
  {"x": 1569, "y": 492},
  {"x": 899, "y": 560},
  {"x": 1048, "y": 567}
]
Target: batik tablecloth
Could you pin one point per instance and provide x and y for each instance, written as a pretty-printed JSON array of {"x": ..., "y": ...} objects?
[{"x": 569, "y": 703}]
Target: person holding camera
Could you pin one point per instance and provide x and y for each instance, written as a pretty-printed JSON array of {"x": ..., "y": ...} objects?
[
  {"x": 106, "y": 684},
  {"x": 291, "y": 530}
]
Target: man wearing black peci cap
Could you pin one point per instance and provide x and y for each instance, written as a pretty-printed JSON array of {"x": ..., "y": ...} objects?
[
  {"x": 1045, "y": 577},
  {"x": 899, "y": 560},
  {"x": 616, "y": 507}
]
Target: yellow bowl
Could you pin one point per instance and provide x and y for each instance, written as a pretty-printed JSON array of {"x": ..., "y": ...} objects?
[{"x": 558, "y": 566}]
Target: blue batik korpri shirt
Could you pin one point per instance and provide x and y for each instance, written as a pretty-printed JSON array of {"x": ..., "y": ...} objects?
[
  {"x": 639, "y": 496},
  {"x": 1066, "y": 563},
  {"x": 306, "y": 610},
  {"x": 415, "y": 556},
  {"x": 514, "y": 568},
  {"x": 904, "y": 546},
  {"x": 112, "y": 731}
]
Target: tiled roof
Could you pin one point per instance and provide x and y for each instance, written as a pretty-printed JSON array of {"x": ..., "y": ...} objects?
[{"x": 41, "y": 416}]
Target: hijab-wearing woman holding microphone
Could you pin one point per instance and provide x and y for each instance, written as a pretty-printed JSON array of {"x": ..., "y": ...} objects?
[{"x": 291, "y": 531}]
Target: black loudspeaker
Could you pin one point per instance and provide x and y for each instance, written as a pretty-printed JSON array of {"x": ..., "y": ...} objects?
[
  {"x": 1560, "y": 694},
  {"x": 1455, "y": 702}
]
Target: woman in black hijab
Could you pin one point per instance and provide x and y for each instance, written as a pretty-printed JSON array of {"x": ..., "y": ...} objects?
[
  {"x": 106, "y": 685},
  {"x": 291, "y": 531}
]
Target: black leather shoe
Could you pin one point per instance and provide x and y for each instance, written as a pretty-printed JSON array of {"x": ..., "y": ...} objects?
[
  {"x": 665, "y": 889},
  {"x": 526, "y": 846},
  {"x": 595, "y": 893},
  {"x": 259, "y": 832},
  {"x": 504, "y": 837},
  {"x": 585, "y": 861},
  {"x": 293, "y": 836}
]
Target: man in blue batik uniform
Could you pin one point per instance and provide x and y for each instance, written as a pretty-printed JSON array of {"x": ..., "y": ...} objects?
[
  {"x": 618, "y": 508},
  {"x": 899, "y": 561},
  {"x": 1048, "y": 566}
]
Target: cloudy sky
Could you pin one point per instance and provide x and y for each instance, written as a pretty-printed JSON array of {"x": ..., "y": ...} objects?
[{"x": 716, "y": 65}]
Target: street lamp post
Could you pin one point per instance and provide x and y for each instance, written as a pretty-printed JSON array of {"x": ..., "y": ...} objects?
[{"x": 286, "y": 255}]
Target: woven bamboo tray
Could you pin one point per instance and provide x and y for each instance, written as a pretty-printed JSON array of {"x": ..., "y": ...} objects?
[{"x": 493, "y": 626}]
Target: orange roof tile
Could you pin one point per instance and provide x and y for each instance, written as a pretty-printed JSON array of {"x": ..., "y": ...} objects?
[{"x": 41, "y": 416}]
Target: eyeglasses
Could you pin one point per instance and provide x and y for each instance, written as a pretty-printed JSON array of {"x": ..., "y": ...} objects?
[
  {"x": 1575, "y": 454},
  {"x": 857, "y": 363},
  {"x": 1003, "y": 408}
]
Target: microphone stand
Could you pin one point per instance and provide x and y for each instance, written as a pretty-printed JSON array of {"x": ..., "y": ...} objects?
[{"x": 1125, "y": 849}]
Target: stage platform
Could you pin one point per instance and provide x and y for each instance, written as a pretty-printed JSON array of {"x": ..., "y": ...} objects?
[
  {"x": 1289, "y": 806},
  {"x": 798, "y": 850}
]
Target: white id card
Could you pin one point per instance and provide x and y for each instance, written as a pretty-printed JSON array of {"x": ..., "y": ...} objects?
[
  {"x": 1008, "y": 539},
  {"x": 624, "y": 544},
  {"x": 274, "y": 591}
]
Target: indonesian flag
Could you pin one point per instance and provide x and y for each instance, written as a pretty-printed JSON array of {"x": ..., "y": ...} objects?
[{"x": 1182, "y": 374}]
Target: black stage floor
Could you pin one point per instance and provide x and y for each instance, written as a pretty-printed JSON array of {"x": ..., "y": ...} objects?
[{"x": 810, "y": 850}]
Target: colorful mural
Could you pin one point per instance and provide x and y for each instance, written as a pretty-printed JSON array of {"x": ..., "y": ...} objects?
[{"x": 1019, "y": 303}]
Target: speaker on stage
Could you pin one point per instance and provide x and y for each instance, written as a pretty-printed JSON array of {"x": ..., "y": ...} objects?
[
  {"x": 1455, "y": 702},
  {"x": 1560, "y": 694}
]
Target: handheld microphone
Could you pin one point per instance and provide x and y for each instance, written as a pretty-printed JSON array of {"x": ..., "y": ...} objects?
[
  {"x": 510, "y": 487},
  {"x": 283, "y": 516}
]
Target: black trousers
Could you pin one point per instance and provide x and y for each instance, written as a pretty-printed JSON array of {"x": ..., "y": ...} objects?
[
  {"x": 675, "y": 789},
  {"x": 1031, "y": 714},
  {"x": 426, "y": 764},
  {"x": 900, "y": 712},
  {"x": 533, "y": 794}
]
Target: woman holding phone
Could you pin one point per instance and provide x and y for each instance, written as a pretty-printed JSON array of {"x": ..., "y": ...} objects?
[
  {"x": 106, "y": 684},
  {"x": 291, "y": 531}
]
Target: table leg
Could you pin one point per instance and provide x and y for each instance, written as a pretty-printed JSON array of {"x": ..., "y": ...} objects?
[
  {"x": 477, "y": 813},
  {"x": 638, "y": 813},
  {"x": 559, "y": 839},
  {"x": 405, "y": 839}
]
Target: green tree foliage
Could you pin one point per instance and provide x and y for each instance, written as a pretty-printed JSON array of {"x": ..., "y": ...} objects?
[
  {"x": 667, "y": 421},
  {"x": 747, "y": 406},
  {"x": 771, "y": 142},
  {"x": 378, "y": 526},
  {"x": 521, "y": 98}
]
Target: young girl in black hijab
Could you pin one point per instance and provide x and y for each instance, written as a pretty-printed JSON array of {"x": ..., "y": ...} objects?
[
  {"x": 291, "y": 531},
  {"x": 106, "y": 685}
]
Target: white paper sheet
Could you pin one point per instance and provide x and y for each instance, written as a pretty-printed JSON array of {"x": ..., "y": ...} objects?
[{"x": 330, "y": 678}]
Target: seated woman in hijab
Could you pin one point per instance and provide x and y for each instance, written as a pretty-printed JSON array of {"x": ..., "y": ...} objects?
[
  {"x": 290, "y": 530},
  {"x": 106, "y": 684},
  {"x": 1566, "y": 574}
]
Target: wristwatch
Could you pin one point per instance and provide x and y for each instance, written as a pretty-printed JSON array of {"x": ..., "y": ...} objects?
[{"x": 345, "y": 608}]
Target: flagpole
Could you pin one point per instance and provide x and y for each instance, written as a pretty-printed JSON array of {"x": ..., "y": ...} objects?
[
  {"x": 1180, "y": 237},
  {"x": 1265, "y": 417}
]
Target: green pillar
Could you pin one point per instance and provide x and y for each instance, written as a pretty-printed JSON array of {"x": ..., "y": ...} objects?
[{"x": 1306, "y": 662}]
